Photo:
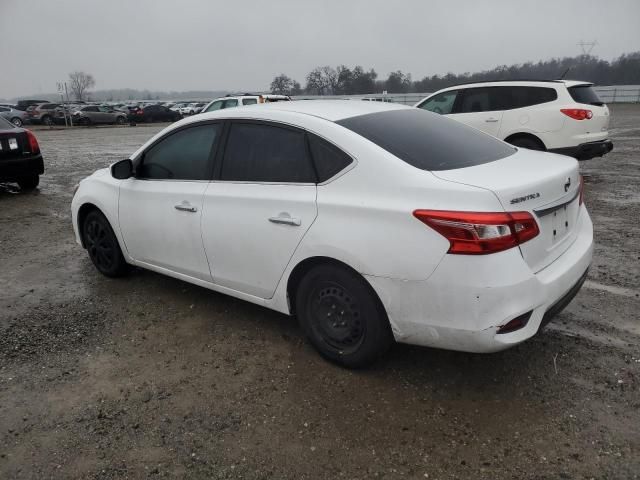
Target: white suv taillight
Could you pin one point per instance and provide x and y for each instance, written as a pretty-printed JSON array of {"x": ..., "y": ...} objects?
[
  {"x": 577, "y": 113},
  {"x": 480, "y": 233}
]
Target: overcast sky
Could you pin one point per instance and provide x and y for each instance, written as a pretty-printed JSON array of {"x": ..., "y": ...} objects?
[{"x": 242, "y": 45}]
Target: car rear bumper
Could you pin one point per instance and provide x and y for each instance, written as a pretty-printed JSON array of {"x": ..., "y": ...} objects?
[
  {"x": 586, "y": 151},
  {"x": 13, "y": 169},
  {"x": 466, "y": 300}
]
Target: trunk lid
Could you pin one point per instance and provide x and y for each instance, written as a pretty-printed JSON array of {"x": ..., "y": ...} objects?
[
  {"x": 544, "y": 184},
  {"x": 13, "y": 144}
]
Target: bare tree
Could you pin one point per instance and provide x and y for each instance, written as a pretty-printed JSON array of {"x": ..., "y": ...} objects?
[
  {"x": 282, "y": 85},
  {"x": 80, "y": 82}
]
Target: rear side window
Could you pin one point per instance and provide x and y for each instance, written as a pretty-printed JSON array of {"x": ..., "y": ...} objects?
[
  {"x": 520, "y": 97},
  {"x": 585, "y": 94},
  {"x": 327, "y": 158},
  {"x": 184, "y": 155},
  {"x": 428, "y": 141},
  {"x": 258, "y": 152},
  {"x": 249, "y": 101},
  {"x": 441, "y": 103}
]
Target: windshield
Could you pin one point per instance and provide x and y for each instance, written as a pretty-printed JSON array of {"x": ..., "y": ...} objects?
[{"x": 428, "y": 141}]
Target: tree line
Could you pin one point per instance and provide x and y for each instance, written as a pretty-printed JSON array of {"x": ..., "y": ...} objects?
[{"x": 342, "y": 80}]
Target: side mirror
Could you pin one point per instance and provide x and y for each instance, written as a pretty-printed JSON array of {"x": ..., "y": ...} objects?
[{"x": 122, "y": 170}]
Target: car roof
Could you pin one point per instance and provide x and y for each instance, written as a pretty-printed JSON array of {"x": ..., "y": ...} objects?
[
  {"x": 520, "y": 82},
  {"x": 332, "y": 110}
]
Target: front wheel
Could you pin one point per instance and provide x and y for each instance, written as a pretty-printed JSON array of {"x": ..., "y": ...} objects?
[
  {"x": 29, "y": 183},
  {"x": 342, "y": 316},
  {"x": 16, "y": 121},
  {"x": 47, "y": 120},
  {"x": 120, "y": 120},
  {"x": 102, "y": 245}
]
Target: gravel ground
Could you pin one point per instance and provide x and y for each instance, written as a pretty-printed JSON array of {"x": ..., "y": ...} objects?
[{"x": 150, "y": 377}]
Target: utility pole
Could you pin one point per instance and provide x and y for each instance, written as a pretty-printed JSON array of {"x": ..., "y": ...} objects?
[
  {"x": 64, "y": 107},
  {"x": 67, "y": 94}
]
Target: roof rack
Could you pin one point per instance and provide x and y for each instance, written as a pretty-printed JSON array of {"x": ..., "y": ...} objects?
[
  {"x": 508, "y": 80},
  {"x": 242, "y": 95}
]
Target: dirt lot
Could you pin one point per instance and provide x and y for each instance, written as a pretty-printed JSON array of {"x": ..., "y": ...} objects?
[{"x": 149, "y": 377}]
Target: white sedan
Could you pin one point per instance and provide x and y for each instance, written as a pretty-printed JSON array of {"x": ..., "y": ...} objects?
[{"x": 370, "y": 222}]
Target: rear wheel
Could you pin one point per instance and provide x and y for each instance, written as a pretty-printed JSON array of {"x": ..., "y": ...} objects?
[
  {"x": 120, "y": 120},
  {"x": 525, "y": 142},
  {"x": 16, "y": 121},
  {"x": 47, "y": 120},
  {"x": 342, "y": 316},
  {"x": 102, "y": 245},
  {"x": 29, "y": 183}
]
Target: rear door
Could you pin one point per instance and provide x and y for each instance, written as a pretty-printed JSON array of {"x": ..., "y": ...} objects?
[
  {"x": 259, "y": 207},
  {"x": 479, "y": 108}
]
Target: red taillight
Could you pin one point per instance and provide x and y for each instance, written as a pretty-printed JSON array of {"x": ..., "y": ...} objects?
[
  {"x": 480, "y": 233},
  {"x": 577, "y": 113},
  {"x": 581, "y": 200},
  {"x": 33, "y": 142}
]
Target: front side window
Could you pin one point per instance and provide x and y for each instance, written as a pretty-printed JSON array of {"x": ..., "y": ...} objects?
[
  {"x": 249, "y": 101},
  {"x": 328, "y": 159},
  {"x": 426, "y": 141},
  {"x": 184, "y": 155},
  {"x": 257, "y": 152},
  {"x": 90, "y": 109},
  {"x": 441, "y": 103}
]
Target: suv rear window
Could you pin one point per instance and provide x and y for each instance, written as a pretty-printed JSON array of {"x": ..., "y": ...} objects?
[
  {"x": 585, "y": 94},
  {"x": 428, "y": 141}
]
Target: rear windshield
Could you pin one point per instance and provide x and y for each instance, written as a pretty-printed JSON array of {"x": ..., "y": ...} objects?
[
  {"x": 428, "y": 141},
  {"x": 6, "y": 124},
  {"x": 585, "y": 94}
]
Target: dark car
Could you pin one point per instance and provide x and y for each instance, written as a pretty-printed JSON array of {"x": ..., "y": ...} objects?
[
  {"x": 20, "y": 157},
  {"x": 24, "y": 104},
  {"x": 153, "y": 113}
]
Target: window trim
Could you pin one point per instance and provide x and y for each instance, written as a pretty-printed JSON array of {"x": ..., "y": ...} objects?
[
  {"x": 221, "y": 151},
  {"x": 139, "y": 159}
]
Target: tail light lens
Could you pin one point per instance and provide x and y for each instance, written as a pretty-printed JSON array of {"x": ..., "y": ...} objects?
[
  {"x": 480, "y": 233},
  {"x": 33, "y": 142},
  {"x": 577, "y": 113},
  {"x": 581, "y": 201}
]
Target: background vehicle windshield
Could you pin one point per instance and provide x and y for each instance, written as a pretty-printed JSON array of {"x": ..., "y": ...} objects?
[{"x": 428, "y": 141}]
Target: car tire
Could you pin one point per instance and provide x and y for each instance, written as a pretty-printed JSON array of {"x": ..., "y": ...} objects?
[
  {"x": 86, "y": 121},
  {"x": 524, "y": 142},
  {"x": 120, "y": 120},
  {"x": 17, "y": 121},
  {"x": 29, "y": 183},
  {"x": 102, "y": 245},
  {"x": 47, "y": 120},
  {"x": 342, "y": 316}
]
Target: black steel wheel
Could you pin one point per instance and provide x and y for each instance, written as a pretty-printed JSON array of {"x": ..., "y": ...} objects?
[
  {"x": 102, "y": 245},
  {"x": 342, "y": 316}
]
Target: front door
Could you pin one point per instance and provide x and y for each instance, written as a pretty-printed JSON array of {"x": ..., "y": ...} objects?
[
  {"x": 260, "y": 207},
  {"x": 160, "y": 209}
]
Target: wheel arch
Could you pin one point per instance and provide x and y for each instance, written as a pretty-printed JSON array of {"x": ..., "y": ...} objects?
[
  {"x": 523, "y": 135},
  {"x": 304, "y": 266},
  {"x": 83, "y": 211}
]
